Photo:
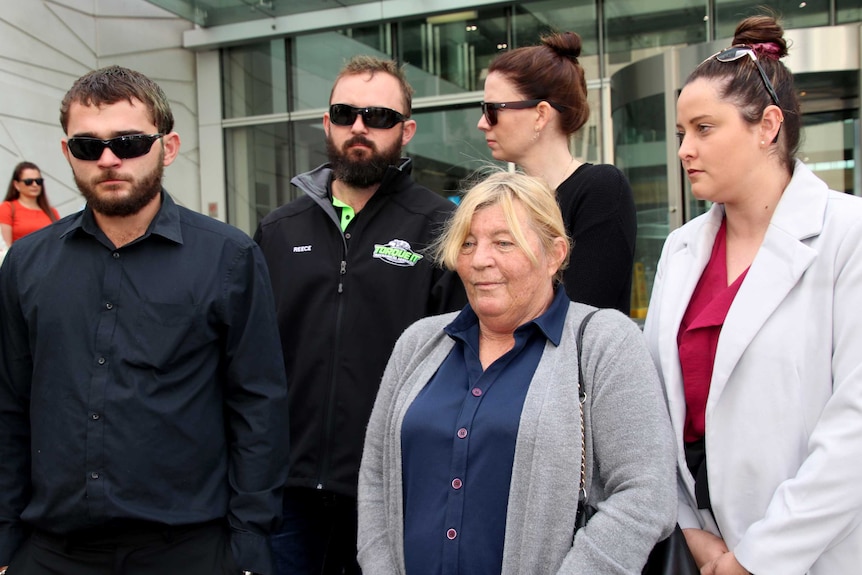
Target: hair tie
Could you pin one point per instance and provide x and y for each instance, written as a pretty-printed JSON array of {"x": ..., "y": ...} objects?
[{"x": 767, "y": 50}]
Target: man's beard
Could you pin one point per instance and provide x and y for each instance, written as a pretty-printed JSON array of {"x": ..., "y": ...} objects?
[
  {"x": 364, "y": 171},
  {"x": 142, "y": 193}
]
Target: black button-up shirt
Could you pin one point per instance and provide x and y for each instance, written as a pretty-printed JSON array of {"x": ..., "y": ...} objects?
[{"x": 140, "y": 383}]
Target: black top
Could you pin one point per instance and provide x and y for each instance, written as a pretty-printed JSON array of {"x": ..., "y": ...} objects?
[
  {"x": 599, "y": 213},
  {"x": 342, "y": 299},
  {"x": 140, "y": 384}
]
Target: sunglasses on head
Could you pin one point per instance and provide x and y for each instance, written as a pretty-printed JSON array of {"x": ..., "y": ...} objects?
[
  {"x": 735, "y": 53},
  {"x": 489, "y": 109},
  {"x": 31, "y": 181},
  {"x": 124, "y": 147},
  {"x": 372, "y": 117}
]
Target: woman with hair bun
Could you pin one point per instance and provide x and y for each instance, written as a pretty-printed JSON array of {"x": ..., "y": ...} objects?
[
  {"x": 755, "y": 327},
  {"x": 535, "y": 99}
]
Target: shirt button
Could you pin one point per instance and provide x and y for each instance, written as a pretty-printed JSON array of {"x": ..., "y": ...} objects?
[
  {"x": 95, "y": 416},
  {"x": 451, "y": 534},
  {"x": 462, "y": 433},
  {"x": 116, "y": 255},
  {"x": 94, "y": 475},
  {"x": 456, "y": 483},
  {"x": 101, "y": 361},
  {"x": 109, "y": 305},
  {"x": 477, "y": 392}
]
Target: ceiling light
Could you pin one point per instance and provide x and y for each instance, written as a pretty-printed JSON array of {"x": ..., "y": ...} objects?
[{"x": 452, "y": 17}]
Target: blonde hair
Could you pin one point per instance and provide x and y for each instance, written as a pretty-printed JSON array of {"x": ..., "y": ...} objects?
[{"x": 506, "y": 189}]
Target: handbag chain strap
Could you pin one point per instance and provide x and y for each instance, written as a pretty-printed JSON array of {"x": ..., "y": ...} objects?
[{"x": 582, "y": 398}]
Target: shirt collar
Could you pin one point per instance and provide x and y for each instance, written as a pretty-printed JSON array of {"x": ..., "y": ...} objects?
[
  {"x": 165, "y": 224},
  {"x": 550, "y": 323}
]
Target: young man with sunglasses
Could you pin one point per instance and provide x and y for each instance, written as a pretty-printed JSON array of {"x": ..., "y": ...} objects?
[
  {"x": 349, "y": 274},
  {"x": 142, "y": 390}
]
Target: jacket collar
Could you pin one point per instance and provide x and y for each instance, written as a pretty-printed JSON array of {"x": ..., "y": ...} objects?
[
  {"x": 781, "y": 260},
  {"x": 316, "y": 182}
]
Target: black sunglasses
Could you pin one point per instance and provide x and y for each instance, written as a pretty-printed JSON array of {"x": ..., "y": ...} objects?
[
  {"x": 124, "y": 147},
  {"x": 31, "y": 181},
  {"x": 372, "y": 117},
  {"x": 489, "y": 109},
  {"x": 735, "y": 53}
]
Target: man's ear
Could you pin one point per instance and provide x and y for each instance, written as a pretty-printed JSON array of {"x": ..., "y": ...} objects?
[
  {"x": 171, "y": 145},
  {"x": 408, "y": 132}
]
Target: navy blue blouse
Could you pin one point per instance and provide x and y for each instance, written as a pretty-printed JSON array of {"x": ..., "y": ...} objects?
[{"x": 458, "y": 445}]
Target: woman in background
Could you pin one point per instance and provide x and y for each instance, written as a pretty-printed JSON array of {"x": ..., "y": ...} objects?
[
  {"x": 25, "y": 208},
  {"x": 535, "y": 100},
  {"x": 473, "y": 453},
  {"x": 756, "y": 328}
]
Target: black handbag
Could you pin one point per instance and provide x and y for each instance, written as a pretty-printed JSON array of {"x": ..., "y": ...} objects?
[{"x": 670, "y": 556}]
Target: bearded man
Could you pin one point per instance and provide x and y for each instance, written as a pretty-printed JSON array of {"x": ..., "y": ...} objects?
[
  {"x": 142, "y": 389},
  {"x": 349, "y": 275}
]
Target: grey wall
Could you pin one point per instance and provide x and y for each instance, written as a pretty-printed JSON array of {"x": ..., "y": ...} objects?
[{"x": 46, "y": 44}]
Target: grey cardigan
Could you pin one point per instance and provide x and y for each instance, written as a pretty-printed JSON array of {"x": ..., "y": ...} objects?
[{"x": 630, "y": 454}]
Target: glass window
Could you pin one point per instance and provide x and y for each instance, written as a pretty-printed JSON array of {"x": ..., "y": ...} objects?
[
  {"x": 830, "y": 127},
  {"x": 636, "y": 30},
  {"x": 447, "y": 53},
  {"x": 447, "y": 148},
  {"x": 535, "y": 19},
  {"x": 792, "y": 13},
  {"x": 259, "y": 167},
  {"x": 378, "y": 37},
  {"x": 640, "y": 144},
  {"x": 318, "y": 58},
  {"x": 254, "y": 79},
  {"x": 848, "y": 11},
  {"x": 309, "y": 149}
]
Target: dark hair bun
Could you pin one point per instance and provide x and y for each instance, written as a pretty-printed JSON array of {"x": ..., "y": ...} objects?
[
  {"x": 764, "y": 33},
  {"x": 564, "y": 44}
]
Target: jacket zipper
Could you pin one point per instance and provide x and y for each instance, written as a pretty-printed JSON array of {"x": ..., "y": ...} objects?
[{"x": 333, "y": 378}]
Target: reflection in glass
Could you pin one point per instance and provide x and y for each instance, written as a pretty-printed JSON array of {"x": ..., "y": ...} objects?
[
  {"x": 254, "y": 79},
  {"x": 318, "y": 58},
  {"x": 531, "y": 20},
  {"x": 447, "y": 53},
  {"x": 848, "y": 11},
  {"x": 637, "y": 30},
  {"x": 640, "y": 150},
  {"x": 258, "y": 171},
  {"x": 793, "y": 14},
  {"x": 830, "y": 127},
  {"x": 447, "y": 148}
]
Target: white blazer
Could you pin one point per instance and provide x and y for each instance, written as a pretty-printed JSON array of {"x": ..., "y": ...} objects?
[{"x": 784, "y": 411}]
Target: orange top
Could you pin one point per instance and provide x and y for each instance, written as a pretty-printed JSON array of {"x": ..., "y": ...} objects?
[{"x": 26, "y": 220}]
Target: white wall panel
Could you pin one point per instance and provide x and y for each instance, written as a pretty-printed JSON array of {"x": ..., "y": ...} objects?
[{"x": 46, "y": 44}]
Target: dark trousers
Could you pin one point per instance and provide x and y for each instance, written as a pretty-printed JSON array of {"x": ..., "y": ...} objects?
[
  {"x": 129, "y": 549},
  {"x": 317, "y": 536}
]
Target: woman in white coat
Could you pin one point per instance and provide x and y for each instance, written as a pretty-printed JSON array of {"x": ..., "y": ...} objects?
[{"x": 755, "y": 325}]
